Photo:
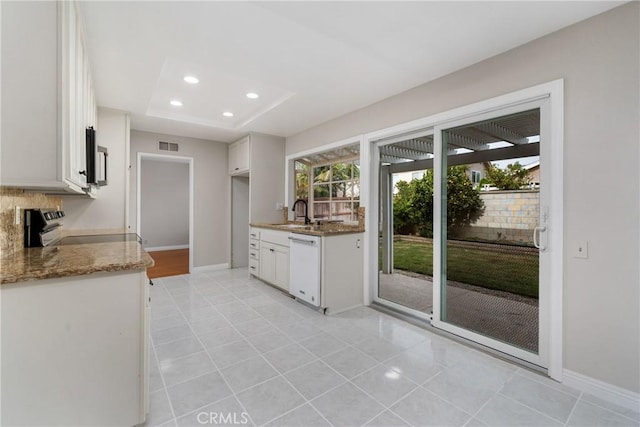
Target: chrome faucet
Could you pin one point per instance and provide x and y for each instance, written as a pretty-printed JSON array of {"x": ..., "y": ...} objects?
[{"x": 306, "y": 211}]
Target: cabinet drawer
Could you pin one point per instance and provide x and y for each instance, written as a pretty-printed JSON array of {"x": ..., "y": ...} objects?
[
  {"x": 254, "y": 267},
  {"x": 276, "y": 237},
  {"x": 254, "y": 245},
  {"x": 254, "y": 233}
]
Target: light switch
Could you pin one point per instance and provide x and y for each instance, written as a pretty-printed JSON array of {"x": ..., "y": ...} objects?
[
  {"x": 18, "y": 216},
  {"x": 581, "y": 249}
]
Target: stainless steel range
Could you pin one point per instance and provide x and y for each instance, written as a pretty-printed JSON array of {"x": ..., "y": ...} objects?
[{"x": 42, "y": 227}]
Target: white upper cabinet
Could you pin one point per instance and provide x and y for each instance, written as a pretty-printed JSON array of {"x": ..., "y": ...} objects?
[
  {"x": 47, "y": 97},
  {"x": 239, "y": 157}
]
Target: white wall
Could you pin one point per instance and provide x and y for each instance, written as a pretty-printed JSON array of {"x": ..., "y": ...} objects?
[
  {"x": 164, "y": 214},
  {"x": 108, "y": 210},
  {"x": 211, "y": 192},
  {"x": 599, "y": 62},
  {"x": 267, "y": 162}
]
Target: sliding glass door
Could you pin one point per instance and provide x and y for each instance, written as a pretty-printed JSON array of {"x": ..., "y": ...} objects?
[
  {"x": 489, "y": 243},
  {"x": 462, "y": 227}
]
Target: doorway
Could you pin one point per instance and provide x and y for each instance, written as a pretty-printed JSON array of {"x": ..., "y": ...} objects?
[
  {"x": 239, "y": 221},
  {"x": 164, "y": 213},
  {"x": 464, "y": 209}
]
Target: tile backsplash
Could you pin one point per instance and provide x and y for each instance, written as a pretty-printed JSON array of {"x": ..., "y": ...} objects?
[{"x": 11, "y": 235}]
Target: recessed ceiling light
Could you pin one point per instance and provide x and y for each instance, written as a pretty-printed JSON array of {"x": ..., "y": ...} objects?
[
  {"x": 176, "y": 103},
  {"x": 191, "y": 79},
  {"x": 227, "y": 114},
  {"x": 253, "y": 95}
]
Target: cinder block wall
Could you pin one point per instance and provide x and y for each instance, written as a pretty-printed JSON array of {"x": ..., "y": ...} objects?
[{"x": 508, "y": 216}]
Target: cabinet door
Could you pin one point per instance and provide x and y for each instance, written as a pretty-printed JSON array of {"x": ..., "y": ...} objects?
[
  {"x": 267, "y": 263},
  {"x": 77, "y": 92},
  {"x": 282, "y": 268},
  {"x": 239, "y": 157},
  {"x": 233, "y": 158}
]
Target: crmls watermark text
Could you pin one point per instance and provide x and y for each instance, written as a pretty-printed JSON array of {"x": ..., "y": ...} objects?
[{"x": 226, "y": 418}]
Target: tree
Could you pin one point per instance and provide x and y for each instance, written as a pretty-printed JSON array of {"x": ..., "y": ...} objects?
[
  {"x": 341, "y": 176},
  {"x": 413, "y": 203},
  {"x": 514, "y": 177}
]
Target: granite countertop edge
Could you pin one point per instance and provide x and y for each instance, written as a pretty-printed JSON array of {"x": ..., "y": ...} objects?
[
  {"x": 329, "y": 229},
  {"x": 34, "y": 264}
]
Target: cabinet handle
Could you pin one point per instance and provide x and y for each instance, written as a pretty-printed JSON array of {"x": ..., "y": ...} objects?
[
  {"x": 82, "y": 172},
  {"x": 272, "y": 250},
  {"x": 236, "y": 168},
  {"x": 252, "y": 267},
  {"x": 253, "y": 254}
]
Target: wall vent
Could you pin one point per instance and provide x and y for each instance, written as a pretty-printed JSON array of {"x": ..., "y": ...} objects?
[{"x": 167, "y": 146}]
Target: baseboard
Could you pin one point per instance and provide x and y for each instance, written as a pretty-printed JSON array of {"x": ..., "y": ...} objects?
[
  {"x": 609, "y": 392},
  {"x": 342, "y": 310},
  {"x": 166, "y": 248},
  {"x": 213, "y": 267}
]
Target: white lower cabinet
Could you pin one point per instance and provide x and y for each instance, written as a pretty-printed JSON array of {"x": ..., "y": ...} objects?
[
  {"x": 269, "y": 257},
  {"x": 274, "y": 264},
  {"x": 75, "y": 350}
]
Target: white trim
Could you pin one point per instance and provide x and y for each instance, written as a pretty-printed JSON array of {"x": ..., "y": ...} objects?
[
  {"x": 605, "y": 391},
  {"x": 366, "y": 201},
  {"x": 289, "y": 171},
  {"x": 342, "y": 310},
  {"x": 166, "y": 248},
  {"x": 212, "y": 267},
  {"x": 127, "y": 174},
  {"x": 333, "y": 145},
  {"x": 556, "y": 222},
  {"x": 170, "y": 158}
]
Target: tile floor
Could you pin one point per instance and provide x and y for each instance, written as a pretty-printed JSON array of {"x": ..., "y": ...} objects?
[{"x": 229, "y": 350}]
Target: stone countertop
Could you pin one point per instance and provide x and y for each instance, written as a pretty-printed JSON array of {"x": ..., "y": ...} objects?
[
  {"x": 72, "y": 260},
  {"x": 324, "y": 230}
]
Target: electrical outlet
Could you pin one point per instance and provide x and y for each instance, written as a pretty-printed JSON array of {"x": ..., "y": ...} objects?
[
  {"x": 279, "y": 206},
  {"x": 581, "y": 250},
  {"x": 18, "y": 216}
]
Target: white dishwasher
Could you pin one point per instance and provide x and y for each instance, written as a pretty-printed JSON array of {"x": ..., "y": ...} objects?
[{"x": 304, "y": 267}]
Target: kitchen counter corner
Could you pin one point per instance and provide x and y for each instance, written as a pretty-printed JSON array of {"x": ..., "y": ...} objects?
[{"x": 72, "y": 260}]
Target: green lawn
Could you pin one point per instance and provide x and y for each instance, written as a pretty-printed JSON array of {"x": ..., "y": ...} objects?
[{"x": 511, "y": 272}]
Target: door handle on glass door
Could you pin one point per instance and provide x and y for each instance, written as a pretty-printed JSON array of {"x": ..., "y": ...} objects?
[{"x": 536, "y": 232}]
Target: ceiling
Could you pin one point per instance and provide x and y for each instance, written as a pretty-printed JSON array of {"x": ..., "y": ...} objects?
[{"x": 309, "y": 61}]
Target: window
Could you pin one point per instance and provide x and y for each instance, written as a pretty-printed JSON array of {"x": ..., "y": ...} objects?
[
  {"x": 334, "y": 193},
  {"x": 302, "y": 180},
  {"x": 476, "y": 176},
  {"x": 417, "y": 175}
]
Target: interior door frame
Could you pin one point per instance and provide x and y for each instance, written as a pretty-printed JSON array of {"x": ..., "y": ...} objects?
[
  {"x": 169, "y": 158},
  {"x": 554, "y": 166}
]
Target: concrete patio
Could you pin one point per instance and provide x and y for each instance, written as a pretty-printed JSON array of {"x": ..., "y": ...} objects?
[{"x": 500, "y": 315}]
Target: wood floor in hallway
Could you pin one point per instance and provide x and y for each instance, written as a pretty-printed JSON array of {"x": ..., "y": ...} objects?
[{"x": 169, "y": 263}]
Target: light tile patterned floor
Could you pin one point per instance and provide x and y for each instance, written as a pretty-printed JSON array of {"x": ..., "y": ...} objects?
[{"x": 229, "y": 350}]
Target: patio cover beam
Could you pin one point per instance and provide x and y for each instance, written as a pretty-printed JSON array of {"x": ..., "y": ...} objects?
[{"x": 514, "y": 152}]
